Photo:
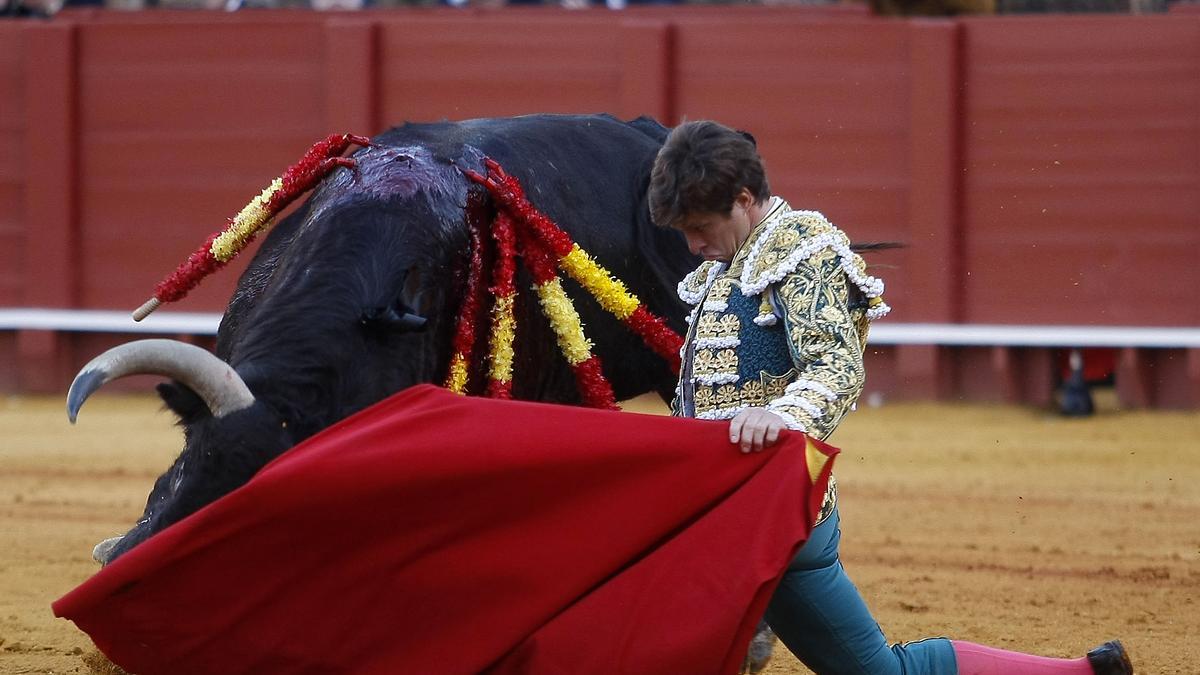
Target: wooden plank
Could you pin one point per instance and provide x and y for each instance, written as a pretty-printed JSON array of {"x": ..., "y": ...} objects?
[
  {"x": 647, "y": 70},
  {"x": 51, "y": 188},
  {"x": 13, "y": 160},
  {"x": 51, "y": 197},
  {"x": 352, "y": 77},
  {"x": 1083, "y": 170},
  {"x": 455, "y": 68},
  {"x": 934, "y": 208},
  {"x": 185, "y": 124}
]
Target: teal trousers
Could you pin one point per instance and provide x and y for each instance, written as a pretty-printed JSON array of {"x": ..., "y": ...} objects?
[{"x": 818, "y": 613}]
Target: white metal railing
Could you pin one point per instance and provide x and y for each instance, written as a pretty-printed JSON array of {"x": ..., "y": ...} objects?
[
  {"x": 106, "y": 321},
  {"x": 882, "y": 333},
  {"x": 1032, "y": 336}
]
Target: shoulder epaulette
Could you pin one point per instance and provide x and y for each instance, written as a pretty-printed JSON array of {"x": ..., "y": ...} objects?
[{"x": 794, "y": 238}]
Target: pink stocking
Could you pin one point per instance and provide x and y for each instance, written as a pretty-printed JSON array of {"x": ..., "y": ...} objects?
[{"x": 976, "y": 659}]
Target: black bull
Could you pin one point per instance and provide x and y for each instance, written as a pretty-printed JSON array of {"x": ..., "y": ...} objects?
[{"x": 322, "y": 322}]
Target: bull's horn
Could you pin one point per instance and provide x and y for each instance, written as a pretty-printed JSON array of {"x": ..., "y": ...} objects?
[{"x": 213, "y": 380}]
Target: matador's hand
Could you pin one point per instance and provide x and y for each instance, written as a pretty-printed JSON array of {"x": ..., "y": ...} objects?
[{"x": 755, "y": 428}]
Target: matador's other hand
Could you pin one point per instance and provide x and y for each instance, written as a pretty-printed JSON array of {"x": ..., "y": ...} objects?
[{"x": 755, "y": 428}]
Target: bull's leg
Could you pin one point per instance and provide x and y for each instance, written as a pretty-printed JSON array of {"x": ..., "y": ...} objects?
[{"x": 762, "y": 646}]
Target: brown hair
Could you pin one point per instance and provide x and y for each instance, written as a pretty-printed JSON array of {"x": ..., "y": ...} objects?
[{"x": 701, "y": 168}]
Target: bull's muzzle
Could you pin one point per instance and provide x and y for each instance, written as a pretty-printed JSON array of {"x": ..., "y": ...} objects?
[{"x": 103, "y": 551}]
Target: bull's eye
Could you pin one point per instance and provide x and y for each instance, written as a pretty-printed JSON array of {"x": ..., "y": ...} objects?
[{"x": 395, "y": 319}]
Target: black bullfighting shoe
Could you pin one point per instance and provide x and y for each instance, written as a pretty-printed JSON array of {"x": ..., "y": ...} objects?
[{"x": 1110, "y": 659}]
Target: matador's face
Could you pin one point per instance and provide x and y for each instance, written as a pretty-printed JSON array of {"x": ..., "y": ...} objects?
[{"x": 717, "y": 236}]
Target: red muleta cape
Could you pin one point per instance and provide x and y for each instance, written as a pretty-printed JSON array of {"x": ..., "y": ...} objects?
[{"x": 434, "y": 533}]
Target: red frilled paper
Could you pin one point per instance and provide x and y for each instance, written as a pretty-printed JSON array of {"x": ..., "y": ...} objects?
[{"x": 434, "y": 533}]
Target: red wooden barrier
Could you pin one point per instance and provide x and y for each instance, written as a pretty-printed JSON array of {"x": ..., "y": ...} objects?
[
  {"x": 1083, "y": 165},
  {"x": 12, "y": 163},
  {"x": 1041, "y": 170},
  {"x": 12, "y": 188},
  {"x": 181, "y": 125}
]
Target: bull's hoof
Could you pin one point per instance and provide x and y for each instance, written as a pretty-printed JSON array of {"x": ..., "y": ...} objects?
[
  {"x": 762, "y": 646},
  {"x": 98, "y": 664}
]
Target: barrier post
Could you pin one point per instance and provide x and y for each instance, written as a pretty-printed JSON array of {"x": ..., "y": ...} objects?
[
  {"x": 935, "y": 213},
  {"x": 1174, "y": 378},
  {"x": 51, "y": 199},
  {"x": 1133, "y": 378},
  {"x": 647, "y": 70},
  {"x": 352, "y": 76},
  {"x": 1193, "y": 378}
]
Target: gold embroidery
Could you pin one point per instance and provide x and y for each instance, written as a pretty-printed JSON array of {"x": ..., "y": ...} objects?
[
  {"x": 774, "y": 386},
  {"x": 714, "y": 325},
  {"x": 826, "y": 339},
  {"x": 720, "y": 290},
  {"x": 785, "y": 238},
  {"x": 715, "y": 362},
  {"x": 864, "y": 326},
  {"x": 694, "y": 282},
  {"x": 727, "y": 396},
  {"x": 752, "y": 394},
  {"x": 828, "y": 502},
  {"x": 756, "y": 393},
  {"x": 833, "y": 314}
]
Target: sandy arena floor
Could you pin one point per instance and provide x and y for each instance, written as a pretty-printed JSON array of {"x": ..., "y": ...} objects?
[{"x": 1002, "y": 525}]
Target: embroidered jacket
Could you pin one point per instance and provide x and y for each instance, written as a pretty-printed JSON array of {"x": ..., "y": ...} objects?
[{"x": 782, "y": 327}]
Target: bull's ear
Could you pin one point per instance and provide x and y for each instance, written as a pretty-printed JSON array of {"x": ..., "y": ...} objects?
[{"x": 182, "y": 401}]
